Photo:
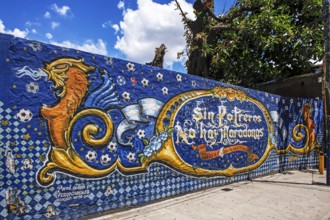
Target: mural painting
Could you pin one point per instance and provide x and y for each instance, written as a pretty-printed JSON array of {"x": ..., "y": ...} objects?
[{"x": 81, "y": 130}]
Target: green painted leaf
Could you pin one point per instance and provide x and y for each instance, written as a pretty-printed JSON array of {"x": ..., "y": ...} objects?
[{"x": 145, "y": 141}]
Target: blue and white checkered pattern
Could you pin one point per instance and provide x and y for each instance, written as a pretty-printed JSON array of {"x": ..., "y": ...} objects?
[{"x": 160, "y": 182}]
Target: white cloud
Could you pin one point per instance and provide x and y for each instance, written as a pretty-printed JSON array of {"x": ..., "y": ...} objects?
[
  {"x": 62, "y": 11},
  {"x": 47, "y": 14},
  {"x": 89, "y": 46},
  {"x": 116, "y": 27},
  {"x": 49, "y": 36},
  {"x": 54, "y": 24},
  {"x": 148, "y": 27},
  {"x": 121, "y": 5},
  {"x": 30, "y": 23},
  {"x": 34, "y": 31},
  {"x": 16, "y": 32},
  {"x": 107, "y": 24}
]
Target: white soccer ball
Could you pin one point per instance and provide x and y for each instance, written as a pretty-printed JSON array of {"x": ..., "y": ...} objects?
[
  {"x": 105, "y": 159},
  {"x": 141, "y": 133},
  {"x": 112, "y": 147},
  {"x": 131, "y": 157},
  {"x": 130, "y": 67},
  {"x": 24, "y": 115},
  {"x": 91, "y": 156},
  {"x": 145, "y": 82},
  {"x": 126, "y": 96},
  {"x": 159, "y": 76},
  {"x": 165, "y": 90},
  {"x": 32, "y": 87},
  {"x": 179, "y": 78}
]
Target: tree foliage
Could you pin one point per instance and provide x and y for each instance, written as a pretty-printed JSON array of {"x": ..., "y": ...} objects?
[{"x": 254, "y": 41}]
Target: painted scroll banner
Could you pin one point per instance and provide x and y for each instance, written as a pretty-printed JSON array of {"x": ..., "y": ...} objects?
[{"x": 82, "y": 132}]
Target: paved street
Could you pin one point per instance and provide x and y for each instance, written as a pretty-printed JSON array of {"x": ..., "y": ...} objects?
[{"x": 293, "y": 195}]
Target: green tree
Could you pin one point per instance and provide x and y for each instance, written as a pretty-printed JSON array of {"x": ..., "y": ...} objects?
[{"x": 255, "y": 40}]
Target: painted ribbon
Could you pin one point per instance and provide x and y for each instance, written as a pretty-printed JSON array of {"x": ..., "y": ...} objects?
[
  {"x": 208, "y": 155},
  {"x": 137, "y": 113}
]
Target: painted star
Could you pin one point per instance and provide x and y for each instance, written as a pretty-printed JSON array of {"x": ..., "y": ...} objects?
[
  {"x": 26, "y": 136},
  {"x": 4, "y": 122}
]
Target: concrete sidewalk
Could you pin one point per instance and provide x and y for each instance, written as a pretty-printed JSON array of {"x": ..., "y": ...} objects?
[{"x": 293, "y": 195}]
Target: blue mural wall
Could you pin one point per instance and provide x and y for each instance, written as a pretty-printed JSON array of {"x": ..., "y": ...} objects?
[{"x": 82, "y": 133}]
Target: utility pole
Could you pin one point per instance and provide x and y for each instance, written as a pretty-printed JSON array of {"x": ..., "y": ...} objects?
[{"x": 326, "y": 63}]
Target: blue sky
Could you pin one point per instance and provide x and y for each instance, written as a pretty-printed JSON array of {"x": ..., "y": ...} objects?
[{"x": 118, "y": 28}]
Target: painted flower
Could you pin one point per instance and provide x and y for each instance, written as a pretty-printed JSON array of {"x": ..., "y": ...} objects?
[
  {"x": 165, "y": 90},
  {"x": 193, "y": 83},
  {"x": 148, "y": 151},
  {"x": 145, "y": 82},
  {"x": 291, "y": 101},
  {"x": 32, "y": 87},
  {"x": 126, "y": 96},
  {"x": 141, "y": 133},
  {"x": 179, "y": 78},
  {"x": 298, "y": 104},
  {"x": 163, "y": 135},
  {"x": 159, "y": 76},
  {"x": 130, "y": 67},
  {"x": 121, "y": 80},
  {"x": 155, "y": 143}
]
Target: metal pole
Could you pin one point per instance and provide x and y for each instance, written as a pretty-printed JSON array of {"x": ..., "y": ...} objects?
[{"x": 326, "y": 10}]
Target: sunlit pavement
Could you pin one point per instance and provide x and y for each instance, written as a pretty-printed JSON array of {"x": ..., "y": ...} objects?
[{"x": 291, "y": 195}]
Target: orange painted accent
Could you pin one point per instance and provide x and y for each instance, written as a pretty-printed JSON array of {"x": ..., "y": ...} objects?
[
  {"x": 310, "y": 124},
  {"x": 59, "y": 116}
]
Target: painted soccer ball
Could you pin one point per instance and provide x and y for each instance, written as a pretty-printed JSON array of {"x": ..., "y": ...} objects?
[
  {"x": 126, "y": 96},
  {"x": 165, "y": 90},
  {"x": 141, "y": 133},
  {"x": 105, "y": 159},
  {"x": 131, "y": 157},
  {"x": 32, "y": 87},
  {"x": 159, "y": 76},
  {"x": 91, "y": 156},
  {"x": 112, "y": 147},
  {"x": 130, "y": 67},
  {"x": 145, "y": 82},
  {"x": 24, "y": 115},
  {"x": 179, "y": 78}
]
